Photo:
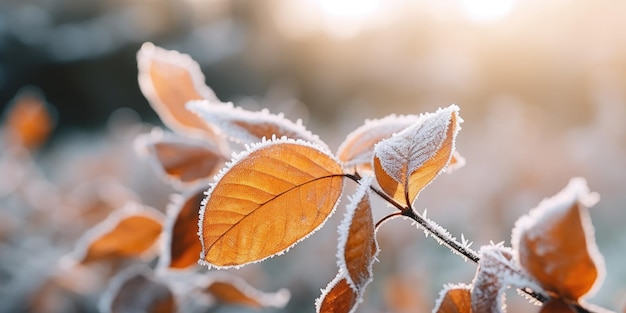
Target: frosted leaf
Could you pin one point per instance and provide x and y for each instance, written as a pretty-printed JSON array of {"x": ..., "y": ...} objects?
[
  {"x": 247, "y": 127},
  {"x": 135, "y": 290},
  {"x": 267, "y": 199},
  {"x": 182, "y": 160},
  {"x": 338, "y": 297},
  {"x": 233, "y": 290},
  {"x": 169, "y": 79},
  {"x": 130, "y": 232},
  {"x": 358, "y": 147},
  {"x": 454, "y": 298},
  {"x": 181, "y": 246},
  {"x": 408, "y": 161},
  {"x": 357, "y": 247},
  {"x": 560, "y": 226},
  {"x": 497, "y": 271}
]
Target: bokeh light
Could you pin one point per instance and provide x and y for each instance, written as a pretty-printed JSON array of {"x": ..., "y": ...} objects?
[{"x": 488, "y": 10}]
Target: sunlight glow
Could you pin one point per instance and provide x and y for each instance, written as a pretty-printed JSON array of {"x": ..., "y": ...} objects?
[
  {"x": 488, "y": 10},
  {"x": 349, "y": 8},
  {"x": 340, "y": 19}
]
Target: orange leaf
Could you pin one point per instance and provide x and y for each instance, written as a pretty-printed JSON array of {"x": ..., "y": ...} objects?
[
  {"x": 357, "y": 242},
  {"x": 247, "y": 127},
  {"x": 181, "y": 159},
  {"x": 135, "y": 290},
  {"x": 169, "y": 79},
  {"x": 28, "y": 120},
  {"x": 337, "y": 297},
  {"x": 230, "y": 289},
  {"x": 267, "y": 200},
  {"x": 556, "y": 245},
  {"x": 405, "y": 163},
  {"x": 129, "y": 232},
  {"x": 182, "y": 246},
  {"x": 556, "y": 306},
  {"x": 358, "y": 147},
  {"x": 454, "y": 299}
]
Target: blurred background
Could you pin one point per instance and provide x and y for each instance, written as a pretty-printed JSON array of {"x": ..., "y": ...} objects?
[{"x": 541, "y": 86}]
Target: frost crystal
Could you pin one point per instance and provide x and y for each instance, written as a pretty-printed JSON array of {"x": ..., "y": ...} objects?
[
  {"x": 406, "y": 151},
  {"x": 247, "y": 127}
]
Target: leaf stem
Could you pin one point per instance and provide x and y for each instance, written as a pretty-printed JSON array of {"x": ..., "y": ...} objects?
[
  {"x": 444, "y": 237},
  {"x": 388, "y": 217}
]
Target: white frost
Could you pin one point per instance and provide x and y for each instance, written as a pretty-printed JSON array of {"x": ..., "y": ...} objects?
[
  {"x": 108, "y": 225},
  {"x": 358, "y": 147},
  {"x": 276, "y": 299},
  {"x": 344, "y": 231},
  {"x": 406, "y": 151},
  {"x": 227, "y": 118},
  {"x": 177, "y": 201},
  {"x": 145, "y": 147},
  {"x": 149, "y": 53},
  {"x": 340, "y": 275},
  {"x": 444, "y": 291}
]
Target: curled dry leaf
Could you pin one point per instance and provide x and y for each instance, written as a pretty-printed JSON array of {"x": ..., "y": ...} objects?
[
  {"x": 408, "y": 161},
  {"x": 337, "y": 297},
  {"x": 183, "y": 160},
  {"x": 358, "y": 147},
  {"x": 454, "y": 299},
  {"x": 169, "y": 79},
  {"x": 248, "y": 127},
  {"x": 129, "y": 232},
  {"x": 268, "y": 199},
  {"x": 229, "y": 289},
  {"x": 357, "y": 248},
  {"x": 28, "y": 120},
  {"x": 135, "y": 290},
  {"x": 181, "y": 244},
  {"x": 555, "y": 243}
]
